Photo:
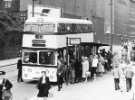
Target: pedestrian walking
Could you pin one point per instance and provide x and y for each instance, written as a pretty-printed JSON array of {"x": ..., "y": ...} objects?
[
  {"x": 129, "y": 75},
  {"x": 43, "y": 86},
  {"x": 60, "y": 72},
  {"x": 94, "y": 66},
  {"x": 19, "y": 67},
  {"x": 116, "y": 76}
]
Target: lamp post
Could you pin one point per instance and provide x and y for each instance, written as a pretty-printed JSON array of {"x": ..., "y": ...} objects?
[
  {"x": 111, "y": 20},
  {"x": 33, "y": 7}
]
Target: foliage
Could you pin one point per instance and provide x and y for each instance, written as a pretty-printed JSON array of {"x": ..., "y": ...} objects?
[
  {"x": 9, "y": 22},
  {"x": 10, "y": 34}
]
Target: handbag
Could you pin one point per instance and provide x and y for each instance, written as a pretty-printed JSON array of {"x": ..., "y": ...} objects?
[{"x": 6, "y": 94}]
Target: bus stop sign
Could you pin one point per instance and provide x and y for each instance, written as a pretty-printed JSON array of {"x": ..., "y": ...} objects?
[{"x": 74, "y": 41}]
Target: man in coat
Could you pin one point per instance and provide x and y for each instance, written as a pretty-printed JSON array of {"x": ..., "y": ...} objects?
[
  {"x": 60, "y": 72},
  {"x": 19, "y": 67},
  {"x": 116, "y": 75},
  {"x": 129, "y": 75}
]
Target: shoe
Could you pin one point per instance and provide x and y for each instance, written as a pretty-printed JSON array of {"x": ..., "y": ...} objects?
[
  {"x": 60, "y": 86},
  {"x": 58, "y": 89},
  {"x": 21, "y": 80}
]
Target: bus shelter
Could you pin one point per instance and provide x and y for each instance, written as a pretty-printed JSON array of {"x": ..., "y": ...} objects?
[{"x": 92, "y": 48}]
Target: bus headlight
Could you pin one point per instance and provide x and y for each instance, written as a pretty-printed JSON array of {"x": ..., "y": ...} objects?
[{"x": 26, "y": 59}]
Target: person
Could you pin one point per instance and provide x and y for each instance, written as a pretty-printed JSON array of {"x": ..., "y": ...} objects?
[
  {"x": 1, "y": 85},
  {"x": 122, "y": 75},
  {"x": 116, "y": 76},
  {"x": 109, "y": 58},
  {"x": 72, "y": 71},
  {"x": 85, "y": 67},
  {"x": 129, "y": 75},
  {"x": 19, "y": 67},
  {"x": 60, "y": 72},
  {"x": 43, "y": 86},
  {"x": 101, "y": 62},
  {"x": 78, "y": 70},
  {"x": 94, "y": 66},
  {"x": 5, "y": 88},
  {"x": 90, "y": 62}
]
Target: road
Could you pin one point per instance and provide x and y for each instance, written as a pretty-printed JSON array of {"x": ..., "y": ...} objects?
[{"x": 100, "y": 89}]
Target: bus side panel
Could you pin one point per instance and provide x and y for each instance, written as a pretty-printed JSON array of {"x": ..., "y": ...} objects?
[{"x": 34, "y": 73}]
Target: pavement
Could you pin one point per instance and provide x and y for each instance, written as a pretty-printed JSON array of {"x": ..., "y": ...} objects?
[
  {"x": 8, "y": 62},
  {"x": 9, "y": 66},
  {"x": 100, "y": 89}
]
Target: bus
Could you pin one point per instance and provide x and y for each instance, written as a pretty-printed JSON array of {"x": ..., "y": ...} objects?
[{"x": 46, "y": 38}]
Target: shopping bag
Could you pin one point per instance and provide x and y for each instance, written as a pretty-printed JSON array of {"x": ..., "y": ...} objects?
[
  {"x": 7, "y": 95},
  {"x": 88, "y": 74}
]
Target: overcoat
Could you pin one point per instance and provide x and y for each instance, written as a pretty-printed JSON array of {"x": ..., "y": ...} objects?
[{"x": 43, "y": 87}]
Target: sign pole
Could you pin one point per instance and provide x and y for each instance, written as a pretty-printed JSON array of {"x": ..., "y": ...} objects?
[
  {"x": 33, "y": 8},
  {"x": 75, "y": 51},
  {"x": 111, "y": 5},
  {"x": 67, "y": 61}
]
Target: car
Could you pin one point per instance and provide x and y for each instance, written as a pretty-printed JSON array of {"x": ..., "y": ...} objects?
[{"x": 2, "y": 72}]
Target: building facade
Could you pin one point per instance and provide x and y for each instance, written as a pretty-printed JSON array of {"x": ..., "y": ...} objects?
[
  {"x": 131, "y": 23},
  {"x": 10, "y": 5}
]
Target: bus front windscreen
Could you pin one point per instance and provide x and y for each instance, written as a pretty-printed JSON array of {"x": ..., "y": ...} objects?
[
  {"x": 47, "y": 58},
  {"x": 30, "y": 57}
]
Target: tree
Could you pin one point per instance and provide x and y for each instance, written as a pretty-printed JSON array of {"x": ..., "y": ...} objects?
[{"x": 10, "y": 31}]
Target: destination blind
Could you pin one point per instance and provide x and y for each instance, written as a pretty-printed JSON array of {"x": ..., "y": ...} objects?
[{"x": 40, "y": 28}]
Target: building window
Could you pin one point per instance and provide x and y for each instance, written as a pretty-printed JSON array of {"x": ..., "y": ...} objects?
[
  {"x": 23, "y": 15},
  {"x": 7, "y": 4}
]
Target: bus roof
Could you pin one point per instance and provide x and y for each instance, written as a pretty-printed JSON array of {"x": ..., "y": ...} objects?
[{"x": 43, "y": 19}]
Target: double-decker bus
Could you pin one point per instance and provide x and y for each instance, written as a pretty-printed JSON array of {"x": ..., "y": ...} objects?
[{"x": 45, "y": 38}]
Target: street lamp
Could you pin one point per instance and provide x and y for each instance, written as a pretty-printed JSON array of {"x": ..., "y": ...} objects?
[
  {"x": 111, "y": 20},
  {"x": 33, "y": 6}
]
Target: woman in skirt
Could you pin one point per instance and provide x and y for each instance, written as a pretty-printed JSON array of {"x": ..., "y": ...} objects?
[{"x": 43, "y": 86}]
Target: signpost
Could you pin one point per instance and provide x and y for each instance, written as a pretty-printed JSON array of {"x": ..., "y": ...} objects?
[{"x": 74, "y": 42}]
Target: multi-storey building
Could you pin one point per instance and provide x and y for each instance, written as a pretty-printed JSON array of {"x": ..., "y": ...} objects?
[
  {"x": 10, "y": 5},
  {"x": 120, "y": 9}
]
